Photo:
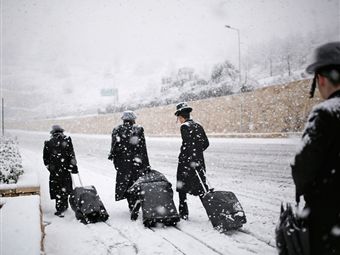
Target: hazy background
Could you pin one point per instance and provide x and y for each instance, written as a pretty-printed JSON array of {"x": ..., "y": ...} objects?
[{"x": 56, "y": 55}]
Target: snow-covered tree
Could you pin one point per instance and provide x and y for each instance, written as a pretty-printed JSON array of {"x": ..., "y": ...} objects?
[
  {"x": 224, "y": 72},
  {"x": 10, "y": 161}
]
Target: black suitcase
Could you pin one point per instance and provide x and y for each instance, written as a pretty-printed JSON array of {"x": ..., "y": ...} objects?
[
  {"x": 156, "y": 198},
  {"x": 223, "y": 208},
  {"x": 157, "y": 204},
  {"x": 87, "y": 205}
]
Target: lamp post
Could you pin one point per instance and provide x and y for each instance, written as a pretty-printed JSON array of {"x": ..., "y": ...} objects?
[
  {"x": 2, "y": 117},
  {"x": 239, "y": 69},
  {"x": 239, "y": 49}
]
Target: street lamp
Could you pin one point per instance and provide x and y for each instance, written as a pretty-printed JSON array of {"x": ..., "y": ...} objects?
[
  {"x": 2, "y": 116},
  {"x": 239, "y": 69},
  {"x": 239, "y": 50}
]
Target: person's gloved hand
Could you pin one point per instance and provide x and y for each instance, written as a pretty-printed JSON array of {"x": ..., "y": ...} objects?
[{"x": 110, "y": 157}]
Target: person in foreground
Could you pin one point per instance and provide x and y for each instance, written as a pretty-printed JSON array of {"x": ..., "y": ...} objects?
[
  {"x": 316, "y": 169},
  {"x": 60, "y": 161},
  {"x": 190, "y": 159},
  {"x": 130, "y": 158}
]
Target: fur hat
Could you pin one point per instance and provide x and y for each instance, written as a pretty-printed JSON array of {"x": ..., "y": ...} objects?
[
  {"x": 56, "y": 129},
  {"x": 128, "y": 115}
]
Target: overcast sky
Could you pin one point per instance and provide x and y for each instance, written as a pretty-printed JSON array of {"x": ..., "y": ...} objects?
[
  {"x": 145, "y": 38},
  {"x": 129, "y": 33}
]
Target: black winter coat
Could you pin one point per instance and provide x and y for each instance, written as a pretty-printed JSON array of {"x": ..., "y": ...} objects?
[
  {"x": 60, "y": 160},
  {"x": 130, "y": 157},
  {"x": 316, "y": 173},
  {"x": 194, "y": 142}
]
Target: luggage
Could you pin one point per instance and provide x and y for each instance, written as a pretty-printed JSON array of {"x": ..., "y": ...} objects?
[
  {"x": 292, "y": 232},
  {"x": 156, "y": 198},
  {"x": 223, "y": 208},
  {"x": 87, "y": 205}
]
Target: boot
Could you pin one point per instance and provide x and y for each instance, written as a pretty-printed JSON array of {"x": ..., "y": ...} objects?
[
  {"x": 183, "y": 210},
  {"x": 59, "y": 214},
  {"x": 183, "y": 206}
]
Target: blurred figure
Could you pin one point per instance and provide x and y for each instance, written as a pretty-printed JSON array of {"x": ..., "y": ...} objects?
[
  {"x": 60, "y": 161},
  {"x": 194, "y": 142},
  {"x": 130, "y": 157},
  {"x": 316, "y": 170}
]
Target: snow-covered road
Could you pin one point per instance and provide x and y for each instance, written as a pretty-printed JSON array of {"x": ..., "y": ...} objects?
[{"x": 257, "y": 170}]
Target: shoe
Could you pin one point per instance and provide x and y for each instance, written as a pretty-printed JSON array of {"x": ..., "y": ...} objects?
[
  {"x": 184, "y": 216},
  {"x": 59, "y": 214}
]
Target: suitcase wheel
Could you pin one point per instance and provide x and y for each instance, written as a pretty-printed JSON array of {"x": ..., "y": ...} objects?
[{"x": 149, "y": 223}]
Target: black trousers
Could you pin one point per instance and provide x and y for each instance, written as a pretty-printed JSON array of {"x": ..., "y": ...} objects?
[
  {"x": 61, "y": 202},
  {"x": 132, "y": 199},
  {"x": 183, "y": 205}
]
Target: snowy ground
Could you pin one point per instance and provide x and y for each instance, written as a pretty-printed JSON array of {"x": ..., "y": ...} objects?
[
  {"x": 257, "y": 170},
  {"x": 20, "y": 232}
]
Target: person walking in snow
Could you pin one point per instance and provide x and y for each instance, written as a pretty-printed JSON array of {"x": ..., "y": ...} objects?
[
  {"x": 316, "y": 170},
  {"x": 130, "y": 157},
  {"x": 190, "y": 159},
  {"x": 60, "y": 161}
]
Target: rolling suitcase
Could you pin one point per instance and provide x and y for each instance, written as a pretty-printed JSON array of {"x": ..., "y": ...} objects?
[
  {"x": 223, "y": 208},
  {"x": 156, "y": 198},
  {"x": 86, "y": 204}
]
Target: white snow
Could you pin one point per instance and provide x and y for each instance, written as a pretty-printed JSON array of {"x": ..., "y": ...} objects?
[
  {"x": 27, "y": 180},
  {"x": 256, "y": 170},
  {"x": 336, "y": 231},
  {"x": 332, "y": 106},
  {"x": 20, "y": 225}
]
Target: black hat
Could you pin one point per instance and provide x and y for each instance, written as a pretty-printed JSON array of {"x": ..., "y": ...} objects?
[
  {"x": 182, "y": 107},
  {"x": 325, "y": 55},
  {"x": 56, "y": 129}
]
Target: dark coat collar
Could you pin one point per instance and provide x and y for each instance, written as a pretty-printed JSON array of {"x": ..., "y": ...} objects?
[{"x": 334, "y": 94}]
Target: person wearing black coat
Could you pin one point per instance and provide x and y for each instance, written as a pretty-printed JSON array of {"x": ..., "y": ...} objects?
[
  {"x": 191, "y": 159},
  {"x": 129, "y": 155},
  {"x": 316, "y": 170},
  {"x": 60, "y": 161}
]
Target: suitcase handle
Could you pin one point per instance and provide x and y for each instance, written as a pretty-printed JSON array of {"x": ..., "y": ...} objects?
[
  {"x": 73, "y": 182},
  {"x": 199, "y": 177},
  {"x": 81, "y": 183}
]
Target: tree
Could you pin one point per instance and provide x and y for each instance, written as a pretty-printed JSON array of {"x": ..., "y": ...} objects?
[{"x": 224, "y": 71}]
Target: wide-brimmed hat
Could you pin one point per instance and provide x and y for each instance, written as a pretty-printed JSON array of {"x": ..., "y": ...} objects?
[
  {"x": 128, "y": 115},
  {"x": 325, "y": 55},
  {"x": 56, "y": 129},
  {"x": 182, "y": 107}
]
